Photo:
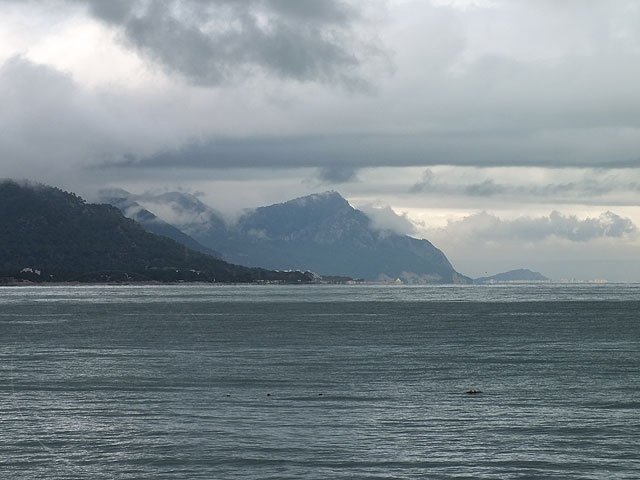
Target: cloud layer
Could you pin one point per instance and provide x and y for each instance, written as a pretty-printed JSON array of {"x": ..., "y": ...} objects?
[
  {"x": 214, "y": 42},
  {"x": 260, "y": 77},
  {"x": 490, "y": 228},
  {"x": 586, "y": 185}
]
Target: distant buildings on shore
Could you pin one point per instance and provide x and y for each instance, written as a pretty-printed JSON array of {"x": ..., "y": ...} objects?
[{"x": 575, "y": 280}]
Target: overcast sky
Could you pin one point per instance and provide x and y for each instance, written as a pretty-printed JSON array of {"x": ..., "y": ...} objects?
[{"x": 505, "y": 131}]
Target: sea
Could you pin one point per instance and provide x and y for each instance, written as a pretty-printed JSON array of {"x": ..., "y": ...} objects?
[{"x": 320, "y": 382}]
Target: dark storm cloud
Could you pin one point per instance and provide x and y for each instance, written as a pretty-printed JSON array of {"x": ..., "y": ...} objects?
[
  {"x": 112, "y": 11},
  {"x": 215, "y": 41},
  {"x": 337, "y": 174},
  {"x": 488, "y": 227},
  {"x": 360, "y": 151}
]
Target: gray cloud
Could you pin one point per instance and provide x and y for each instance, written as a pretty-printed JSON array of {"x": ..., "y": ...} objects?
[
  {"x": 40, "y": 109},
  {"x": 216, "y": 41},
  {"x": 337, "y": 174},
  {"x": 54, "y": 131},
  {"x": 449, "y": 102},
  {"x": 363, "y": 150},
  {"x": 445, "y": 105},
  {"x": 487, "y": 227},
  {"x": 592, "y": 183}
]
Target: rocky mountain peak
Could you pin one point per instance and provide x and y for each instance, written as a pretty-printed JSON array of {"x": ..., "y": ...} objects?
[{"x": 320, "y": 232}]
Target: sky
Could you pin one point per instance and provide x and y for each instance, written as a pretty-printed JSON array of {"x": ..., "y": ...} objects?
[{"x": 507, "y": 132}]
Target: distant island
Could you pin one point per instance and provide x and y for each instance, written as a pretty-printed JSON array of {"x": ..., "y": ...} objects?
[
  {"x": 49, "y": 235},
  {"x": 521, "y": 275}
]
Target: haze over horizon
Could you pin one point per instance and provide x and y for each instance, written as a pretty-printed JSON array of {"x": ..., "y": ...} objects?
[{"x": 506, "y": 132}]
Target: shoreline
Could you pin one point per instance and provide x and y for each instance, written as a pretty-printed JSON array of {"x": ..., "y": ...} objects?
[{"x": 261, "y": 284}]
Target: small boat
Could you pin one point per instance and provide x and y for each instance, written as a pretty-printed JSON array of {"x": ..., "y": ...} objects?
[{"x": 473, "y": 391}]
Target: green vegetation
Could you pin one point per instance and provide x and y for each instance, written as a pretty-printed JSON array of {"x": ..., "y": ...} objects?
[{"x": 47, "y": 234}]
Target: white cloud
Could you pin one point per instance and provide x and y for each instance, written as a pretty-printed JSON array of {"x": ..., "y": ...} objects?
[
  {"x": 557, "y": 244},
  {"x": 384, "y": 218},
  {"x": 486, "y": 227}
]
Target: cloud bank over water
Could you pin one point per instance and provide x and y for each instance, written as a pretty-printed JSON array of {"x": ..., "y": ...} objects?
[{"x": 486, "y": 227}]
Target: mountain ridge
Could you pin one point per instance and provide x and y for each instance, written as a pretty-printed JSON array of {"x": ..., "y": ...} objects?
[
  {"x": 48, "y": 234},
  {"x": 322, "y": 233},
  {"x": 151, "y": 222}
]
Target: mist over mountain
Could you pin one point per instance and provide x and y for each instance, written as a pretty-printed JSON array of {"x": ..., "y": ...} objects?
[
  {"x": 320, "y": 232},
  {"x": 48, "y": 234},
  {"x": 122, "y": 200}
]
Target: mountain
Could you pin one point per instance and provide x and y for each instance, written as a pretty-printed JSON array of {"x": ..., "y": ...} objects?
[
  {"x": 47, "y": 234},
  {"x": 182, "y": 210},
  {"x": 519, "y": 275},
  {"x": 122, "y": 200},
  {"x": 321, "y": 232}
]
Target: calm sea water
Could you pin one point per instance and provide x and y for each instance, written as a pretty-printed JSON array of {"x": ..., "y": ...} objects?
[{"x": 213, "y": 382}]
